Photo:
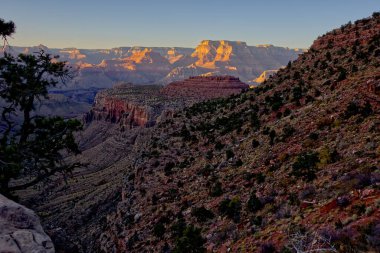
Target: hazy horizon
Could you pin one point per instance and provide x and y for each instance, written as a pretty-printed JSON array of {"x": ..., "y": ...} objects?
[{"x": 148, "y": 23}]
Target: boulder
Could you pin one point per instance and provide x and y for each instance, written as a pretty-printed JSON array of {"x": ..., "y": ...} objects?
[{"x": 21, "y": 230}]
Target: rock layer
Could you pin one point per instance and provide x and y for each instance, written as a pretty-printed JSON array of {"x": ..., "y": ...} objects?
[
  {"x": 128, "y": 105},
  {"x": 205, "y": 87}
]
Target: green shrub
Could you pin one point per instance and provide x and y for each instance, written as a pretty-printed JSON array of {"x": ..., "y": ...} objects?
[
  {"x": 190, "y": 241},
  {"x": 260, "y": 178},
  {"x": 255, "y": 121},
  {"x": 313, "y": 136},
  {"x": 287, "y": 112},
  {"x": 272, "y": 136},
  {"x": 219, "y": 145},
  {"x": 305, "y": 166},
  {"x": 287, "y": 131},
  {"x": 327, "y": 156},
  {"x": 206, "y": 170},
  {"x": 231, "y": 208},
  {"x": 355, "y": 109},
  {"x": 229, "y": 154},
  {"x": 239, "y": 163},
  {"x": 209, "y": 155},
  {"x": 342, "y": 74},
  {"x": 202, "y": 214},
  {"x": 216, "y": 189},
  {"x": 254, "y": 204},
  {"x": 168, "y": 168},
  {"x": 159, "y": 230},
  {"x": 255, "y": 143}
]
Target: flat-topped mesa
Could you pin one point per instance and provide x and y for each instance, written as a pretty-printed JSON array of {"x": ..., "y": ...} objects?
[
  {"x": 128, "y": 105},
  {"x": 214, "y": 78},
  {"x": 205, "y": 87}
]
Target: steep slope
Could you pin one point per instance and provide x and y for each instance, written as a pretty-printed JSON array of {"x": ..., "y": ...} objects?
[
  {"x": 292, "y": 164},
  {"x": 117, "y": 128}
]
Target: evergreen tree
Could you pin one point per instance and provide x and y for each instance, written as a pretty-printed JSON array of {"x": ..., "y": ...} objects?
[{"x": 32, "y": 147}]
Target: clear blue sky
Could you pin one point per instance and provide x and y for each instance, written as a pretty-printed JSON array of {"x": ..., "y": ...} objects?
[{"x": 113, "y": 23}]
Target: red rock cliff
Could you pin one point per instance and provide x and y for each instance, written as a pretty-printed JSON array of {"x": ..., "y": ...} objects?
[{"x": 128, "y": 105}]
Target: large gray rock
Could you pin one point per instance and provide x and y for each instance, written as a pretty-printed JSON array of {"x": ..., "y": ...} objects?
[{"x": 21, "y": 230}]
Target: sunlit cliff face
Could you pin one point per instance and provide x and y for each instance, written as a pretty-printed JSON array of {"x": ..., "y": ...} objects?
[
  {"x": 265, "y": 75},
  {"x": 210, "y": 54}
]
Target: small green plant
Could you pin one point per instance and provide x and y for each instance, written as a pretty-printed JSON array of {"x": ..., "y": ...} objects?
[
  {"x": 342, "y": 74},
  {"x": 168, "y": 168},
  {"x": 255, "y": 143},
  {"x": 159, "y": 230},
  {"x": 202, "y": 214},
  {"x": 190, "y": 240},
  {"x": 305, "y": 166},
  {"x": 327, "y": 156},
  {"x": 355, "y": 109},
  {"x": 229, "y": 154},
  {"x": 231, "y": 208},
  {"x": 272, "y": 136},
  {"x": 260, "y": 178},
  {"x": 216, "y": 189},
  {"x": 254, "y": 204}
]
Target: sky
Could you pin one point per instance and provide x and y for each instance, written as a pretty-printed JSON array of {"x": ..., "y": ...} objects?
[{"x": 115, "y": 23}]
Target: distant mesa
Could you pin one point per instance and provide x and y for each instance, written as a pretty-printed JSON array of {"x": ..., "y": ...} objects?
[{"x": 205, "y": 87}]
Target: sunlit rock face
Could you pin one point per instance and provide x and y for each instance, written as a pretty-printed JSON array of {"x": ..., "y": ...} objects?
[{"x": 265, "y": 75}]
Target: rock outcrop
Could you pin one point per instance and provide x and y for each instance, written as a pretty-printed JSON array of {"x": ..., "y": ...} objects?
[
  {"x": 128, "y": 105},
  {"x": 20, "y": 230},
  {"x": 265, "y": 75}
]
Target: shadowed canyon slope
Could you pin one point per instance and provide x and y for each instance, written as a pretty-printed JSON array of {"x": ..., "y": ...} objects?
[
  {"x": 162, "y": 65},
  {"x": 294, "y": 161}
]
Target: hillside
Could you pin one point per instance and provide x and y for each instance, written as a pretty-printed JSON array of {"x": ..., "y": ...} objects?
[{"x": 294, "y": 162}]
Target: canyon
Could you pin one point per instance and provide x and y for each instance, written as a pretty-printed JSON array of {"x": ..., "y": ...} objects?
[
  {"x": 184, "y": 151},
  {"x": 102, "y": 68}
]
